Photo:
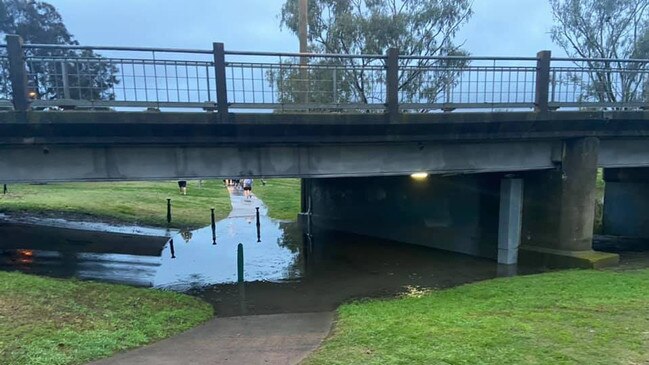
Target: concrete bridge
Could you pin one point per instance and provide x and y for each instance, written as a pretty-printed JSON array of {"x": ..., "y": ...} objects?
[{"x": 506, "y": 182}]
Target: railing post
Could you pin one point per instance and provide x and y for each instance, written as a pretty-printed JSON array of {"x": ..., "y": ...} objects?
[
  {"x": 66, "y": 81},
  {"x": 542, "y": 81},
  {"x": 221, "y": 89},
  {"x": 17, "y": 72},
  {"x": 392, "y": 84}
]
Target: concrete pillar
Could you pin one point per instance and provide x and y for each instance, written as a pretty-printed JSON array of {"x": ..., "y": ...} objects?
[
  {"x": 559, "y": 211},
  {"x": 626, "y": 202},
  {"x": 510, "y": 220},
  {"x": 304, "y": 217},
  {"x": 304, "y": 191}
]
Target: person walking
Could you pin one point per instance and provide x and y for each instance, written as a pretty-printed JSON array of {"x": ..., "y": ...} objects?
[
  {"x": 182, "y": 185},
  {"x": 247, "y": 189}
]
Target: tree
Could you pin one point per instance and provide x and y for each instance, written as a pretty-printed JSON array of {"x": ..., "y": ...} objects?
[
  {"x": 89, "y": 77},
  {"x": 416, "y": 27},
  {"x": 605, "y": 29}
]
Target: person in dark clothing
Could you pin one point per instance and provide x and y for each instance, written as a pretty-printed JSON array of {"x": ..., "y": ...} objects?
[
  {"x": 247, "y": 188},
  {"x": 182, "y": 185}
]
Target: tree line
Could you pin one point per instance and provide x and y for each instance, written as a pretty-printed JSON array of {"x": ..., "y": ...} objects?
[{"x": 597, "y": 29}]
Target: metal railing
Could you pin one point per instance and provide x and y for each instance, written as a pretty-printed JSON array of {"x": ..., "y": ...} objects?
[
  {"x": 288, "y": 81},
  {"x": 599, "y": 83},
  {"x": 65, "y": 77},
  {"x": 449, "y": 83}
]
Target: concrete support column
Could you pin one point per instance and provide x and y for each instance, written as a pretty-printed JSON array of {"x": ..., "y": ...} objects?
[
  {"x": 559, "y": 211},
  {"x": 510, "y": 220},
  {"x": 305, "y": 203}
]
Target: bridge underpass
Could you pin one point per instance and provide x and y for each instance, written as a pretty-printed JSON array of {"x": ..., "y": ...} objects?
[{"x": 537, "y": 169}]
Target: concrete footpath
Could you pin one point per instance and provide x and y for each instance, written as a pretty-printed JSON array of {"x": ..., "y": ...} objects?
[{"x": 264, "y": 339}]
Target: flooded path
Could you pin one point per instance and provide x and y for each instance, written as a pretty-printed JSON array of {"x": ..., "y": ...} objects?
[
  {"x": 285, "y": 272},
  {"x": 150, "y": 257}
]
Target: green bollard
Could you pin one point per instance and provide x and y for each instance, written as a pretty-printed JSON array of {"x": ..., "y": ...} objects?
[{"x": 240, "y": 262}]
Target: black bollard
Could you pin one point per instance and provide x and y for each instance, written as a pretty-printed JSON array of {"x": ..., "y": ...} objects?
[
  {"x": 4, "y": 189},
  {"x": 213, "y": 228},
  {"x": 171, "y": 247},
  {"x": 240, "y": 263},
  {"x": 168, "y": 210},
  {"x": 258, "y": 226}
]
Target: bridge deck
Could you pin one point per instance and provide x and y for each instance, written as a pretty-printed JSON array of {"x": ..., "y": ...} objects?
[{"x": 76, "y": 145}]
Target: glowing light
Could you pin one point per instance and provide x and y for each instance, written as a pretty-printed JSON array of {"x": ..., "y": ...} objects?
[
  {"x": 26, "y": 253},
  {"x": 25, "y": 256},
  {"x": 32, "y": 94},
  {"x": 419, "y": 175}
]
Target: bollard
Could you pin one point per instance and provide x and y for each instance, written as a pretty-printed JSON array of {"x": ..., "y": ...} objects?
[
  {"x": 240, "y": 263},
  {"x": 213, "y": 227},
  {"x": 171, "y": 247},
  {"x": 258, "y": 226},
  {"x": 168, "y": 210},
  {"x": 243, "y": 306},
  {"x": 4, "y": 189}
]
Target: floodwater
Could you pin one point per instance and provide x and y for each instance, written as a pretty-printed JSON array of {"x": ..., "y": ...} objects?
[
  {"x": 175, "y": 260},
  {"x": 284, "y": 270}
]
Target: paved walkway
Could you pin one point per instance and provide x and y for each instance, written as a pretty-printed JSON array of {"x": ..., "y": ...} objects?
[
  {"x": 266, "y": 339},
  {"x": 274, "y": 339}
]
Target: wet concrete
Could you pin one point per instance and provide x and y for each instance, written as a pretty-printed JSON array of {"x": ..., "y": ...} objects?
[{"x": 277, "y": 339}]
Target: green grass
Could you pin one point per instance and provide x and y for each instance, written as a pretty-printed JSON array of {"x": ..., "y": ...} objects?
[
  {"x": 51, "y": 321},
  {"x": 142, "y": 203},
  {"x": 571, "y": 317},
  {"x": 281, "y": 196}
]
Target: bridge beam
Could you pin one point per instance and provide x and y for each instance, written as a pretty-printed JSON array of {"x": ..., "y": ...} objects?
[
  {"x": 103, "y": 163},
  {"x": 559, "y": 211}
]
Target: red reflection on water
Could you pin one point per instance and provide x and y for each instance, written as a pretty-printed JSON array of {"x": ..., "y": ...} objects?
[{"x": 25, "y": 256}]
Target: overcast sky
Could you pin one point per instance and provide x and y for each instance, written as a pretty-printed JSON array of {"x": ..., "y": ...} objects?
[{"x": 497, "y": 28}]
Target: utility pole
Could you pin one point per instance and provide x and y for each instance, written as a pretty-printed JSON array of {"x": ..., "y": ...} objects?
[
  {"x": 302, "y": 31},
  {"x": 302, "y": 34}
]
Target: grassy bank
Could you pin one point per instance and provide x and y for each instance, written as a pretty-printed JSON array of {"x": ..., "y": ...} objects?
[
  {"x": 282, "y": 196},
  {"x": 573, "y": 317},
  {"x": 125, "y": 202},
  {"x": 52, "y": 321}
]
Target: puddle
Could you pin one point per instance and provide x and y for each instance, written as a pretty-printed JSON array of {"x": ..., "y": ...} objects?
[
  {"x": 143, "y": 256},
  {"x": 285, "y": 272}
]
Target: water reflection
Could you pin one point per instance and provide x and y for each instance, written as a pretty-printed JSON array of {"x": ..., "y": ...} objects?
[
  {"x": 198, "y": 262},
  {"x": 187, "y": 259},
  {"x": 186, "y": 235},
  {"x": 284, "y": 269}
]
